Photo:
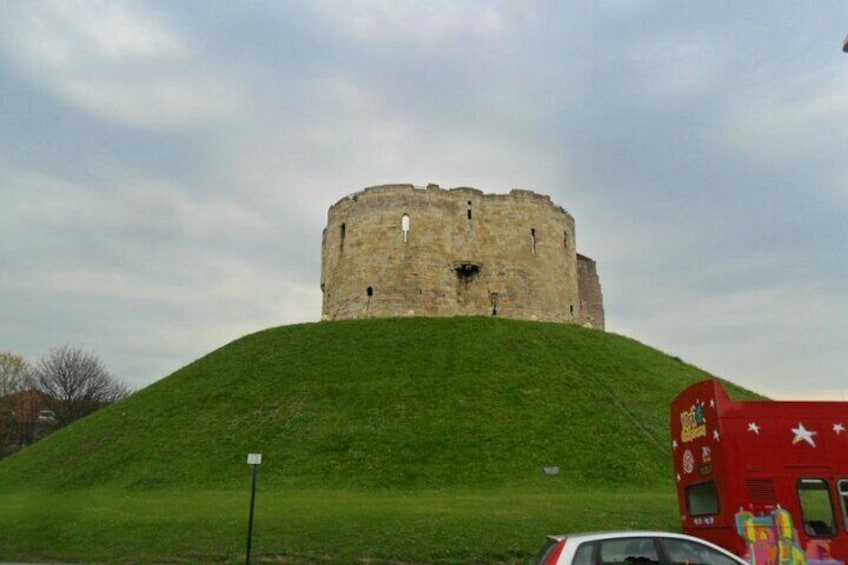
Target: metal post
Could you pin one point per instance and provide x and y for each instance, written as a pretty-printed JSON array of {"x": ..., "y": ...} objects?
[
  {"x": 250, "y": 521},
  {"x": 254, "y": 460}
]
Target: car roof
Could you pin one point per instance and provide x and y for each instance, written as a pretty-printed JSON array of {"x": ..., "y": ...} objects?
[
  {"x": 621, "y": 534},
  {"x": 581, "y": 537}
]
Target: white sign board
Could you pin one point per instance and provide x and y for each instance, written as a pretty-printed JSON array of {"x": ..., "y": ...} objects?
[{"x": 254, "y": 458}]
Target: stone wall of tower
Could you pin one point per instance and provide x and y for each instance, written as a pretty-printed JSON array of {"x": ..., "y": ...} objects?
[
  {"x": 398, "y": 250},
  {"x": 589, "y": 289}
]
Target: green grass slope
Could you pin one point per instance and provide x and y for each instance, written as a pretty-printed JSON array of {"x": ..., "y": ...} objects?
[{"x": 384, "y": 404}]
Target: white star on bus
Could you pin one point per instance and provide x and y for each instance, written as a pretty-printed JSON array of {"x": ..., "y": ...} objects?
[{"x": 803, "y": 434}]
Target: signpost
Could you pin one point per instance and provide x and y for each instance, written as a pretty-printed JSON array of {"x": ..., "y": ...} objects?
[{"x": 254, "y": 460}]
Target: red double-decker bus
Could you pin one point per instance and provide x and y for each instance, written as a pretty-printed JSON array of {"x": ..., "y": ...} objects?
[{"x": 735, "y": 461}]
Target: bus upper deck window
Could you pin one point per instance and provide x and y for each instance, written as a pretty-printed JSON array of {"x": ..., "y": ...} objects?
[
  {"x": 816, "y": 508},
  {"x": 842, "y": 486}
]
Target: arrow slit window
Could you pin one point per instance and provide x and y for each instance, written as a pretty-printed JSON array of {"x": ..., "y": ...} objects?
[{"x": 404, "y": 226}]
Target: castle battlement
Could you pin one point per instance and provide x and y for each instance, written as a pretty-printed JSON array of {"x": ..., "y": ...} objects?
[{"x": 401, "y": 250}]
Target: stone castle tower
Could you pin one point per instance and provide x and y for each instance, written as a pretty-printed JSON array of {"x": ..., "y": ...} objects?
[{"x": 399, "y": 250}]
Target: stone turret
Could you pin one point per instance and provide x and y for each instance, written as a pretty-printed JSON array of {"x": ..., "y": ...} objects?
[{"x": 399, "y": 250}]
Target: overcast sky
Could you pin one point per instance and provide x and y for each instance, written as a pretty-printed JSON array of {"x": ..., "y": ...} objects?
[{"x": 166, "y": 167}]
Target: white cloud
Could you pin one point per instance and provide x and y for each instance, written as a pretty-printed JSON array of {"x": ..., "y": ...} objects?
[
  {"x": 423, "y": 23},
  {"x": 159, "y": 102},
  {"x": 64, "y": 32},
  {"x": 779, "y": 123},
  {"x": 121, "y": 203},
  {"x": 690, "y": 67},
  {"x": 117, "y": 61}
]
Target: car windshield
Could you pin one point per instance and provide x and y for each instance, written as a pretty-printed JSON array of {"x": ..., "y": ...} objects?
[
  {"x": 628, "y": 550},
  {"x": 685, "y": 552}
]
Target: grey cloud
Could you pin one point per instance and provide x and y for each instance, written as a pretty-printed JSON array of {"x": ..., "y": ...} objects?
[{"x": 165, "y": 184}]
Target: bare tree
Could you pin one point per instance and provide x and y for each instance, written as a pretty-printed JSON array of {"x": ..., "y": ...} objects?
[{"x": 76, "y": 383}]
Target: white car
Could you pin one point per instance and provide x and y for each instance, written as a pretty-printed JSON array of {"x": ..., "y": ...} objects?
[{"x": 632, "y": 548}]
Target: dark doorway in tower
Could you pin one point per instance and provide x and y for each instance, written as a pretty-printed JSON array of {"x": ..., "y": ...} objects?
[
  {"x": 466, "y": 272},
  {"x": 369, "y": 292}
]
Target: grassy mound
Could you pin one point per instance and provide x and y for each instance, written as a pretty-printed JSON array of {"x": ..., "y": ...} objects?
[{"x": 401, "y": 405}]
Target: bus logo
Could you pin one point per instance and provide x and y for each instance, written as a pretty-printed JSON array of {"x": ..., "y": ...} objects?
[{"x": 693, "y": 423}]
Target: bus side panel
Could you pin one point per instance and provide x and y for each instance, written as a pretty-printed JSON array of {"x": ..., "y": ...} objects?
[{"x": 706, "y": 499}]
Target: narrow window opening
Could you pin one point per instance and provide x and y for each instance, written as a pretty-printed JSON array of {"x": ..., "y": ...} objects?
[
  {"x": 404, "y": 226},
  {"x": 468, "y": 210},
  {"x": 369, "y": 291},
  {"x": 493, "y": 296},
  {"x": 533, "y": 239},
  {"x": 344, "y": 229},
  {"x": 565, "y": 239}
]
